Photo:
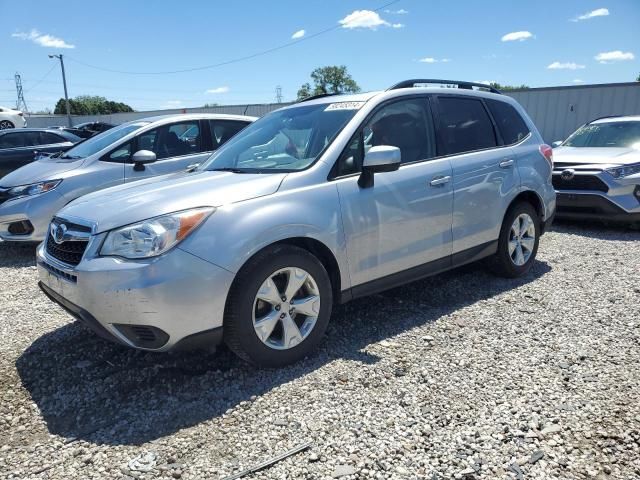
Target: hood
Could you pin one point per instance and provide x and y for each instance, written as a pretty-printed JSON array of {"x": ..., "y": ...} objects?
[
  {"x": 134, "y": 202},
  {"x": 40, "y": 170},
  {"x": 598, "y": 157}
]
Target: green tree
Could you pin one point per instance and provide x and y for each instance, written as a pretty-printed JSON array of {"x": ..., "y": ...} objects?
[
  {"x": 508, "y": 87},
  {"x": 90, "y": 105},
  {"x": 638, "y": 78},
  {"x": 331, "y": 79}
]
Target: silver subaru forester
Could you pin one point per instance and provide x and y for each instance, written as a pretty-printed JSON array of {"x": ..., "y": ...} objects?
[{"x": 314, "y": 204}]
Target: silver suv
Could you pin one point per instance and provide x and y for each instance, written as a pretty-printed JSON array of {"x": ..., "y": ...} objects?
[
  {"x": 314, "y": 204},
  {"x": 31, "y": 195},
  {"x": 597, "y": 171}
]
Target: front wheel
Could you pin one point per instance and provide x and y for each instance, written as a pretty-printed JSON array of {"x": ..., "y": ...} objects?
[
  {"x": 279, "y": 307},
  {"x": 6, "y": 124},
  {"x": 518, "y": 242}
]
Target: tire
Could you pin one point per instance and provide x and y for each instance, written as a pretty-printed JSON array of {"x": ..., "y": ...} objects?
[
  {"x": 274, "y": 345},
  {"x": 6, "y": 124},
  {"x": 507, "y": 262}
]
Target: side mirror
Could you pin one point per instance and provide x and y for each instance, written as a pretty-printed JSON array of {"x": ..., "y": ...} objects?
[
  {"x": 557, "y": 143},
  {"x": 382, "y": 158},
  {"x": 141, "y": 158}
]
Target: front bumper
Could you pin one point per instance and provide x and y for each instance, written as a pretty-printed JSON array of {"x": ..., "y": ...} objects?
[
  {"x": 591, "y": 206},
  {"x": 178, "y": 297},
  {"x": 38, "y": 210}
]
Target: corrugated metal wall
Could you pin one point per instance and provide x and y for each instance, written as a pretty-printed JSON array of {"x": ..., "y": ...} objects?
[{"x": 557, "y": 111}]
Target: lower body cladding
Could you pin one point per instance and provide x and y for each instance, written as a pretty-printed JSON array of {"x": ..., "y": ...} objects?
[
  {"x": 598, "y": 206},
  {"x": 159, "y": 304}
]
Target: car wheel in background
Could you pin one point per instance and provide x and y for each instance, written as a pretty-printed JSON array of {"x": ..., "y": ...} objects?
[
  {"x": 279, "y": 307},
  {"x": 518, "y": 242},
  {"x": 6, "y": 124}
]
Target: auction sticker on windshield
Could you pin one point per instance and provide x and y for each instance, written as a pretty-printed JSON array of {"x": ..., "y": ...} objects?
[{"x": 344, "y": 106}]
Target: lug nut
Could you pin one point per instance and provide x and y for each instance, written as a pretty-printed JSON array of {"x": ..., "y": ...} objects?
[{"x": 278, "y": 308}]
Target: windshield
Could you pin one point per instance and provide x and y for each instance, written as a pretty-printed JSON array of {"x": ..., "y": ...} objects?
[
  {"x": 612, "y": 134},
  {"x": 286, "y": 140},
  {"x": 101, "y": 141}
]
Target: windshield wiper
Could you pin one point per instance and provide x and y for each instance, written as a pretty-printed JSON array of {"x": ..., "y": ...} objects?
[
  {"x": 70, "y": 157},
  {"x": 229, "y": 169}
]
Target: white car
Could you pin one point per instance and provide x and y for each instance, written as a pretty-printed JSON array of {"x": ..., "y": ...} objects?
[{"x": 10, "y": 118}]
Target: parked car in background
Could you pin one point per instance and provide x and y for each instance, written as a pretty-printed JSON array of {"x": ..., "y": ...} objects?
[
  {"x": 10, "y": 118},
  {"x": 317, "y": 203},
  {"x": 18, "y": 147},
  {"x": 88, "y": 129},
  {"x": 31, "y": 195},
  {"x": 597, "y": 171}
]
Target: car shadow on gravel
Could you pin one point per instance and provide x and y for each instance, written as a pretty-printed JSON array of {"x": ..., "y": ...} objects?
[
  {"x": 87, "y": 388},
  {"x": 17, "y": 255},
  {"x": 598, "y": 230}
]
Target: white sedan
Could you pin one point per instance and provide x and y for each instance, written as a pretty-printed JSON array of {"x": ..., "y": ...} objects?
[{"x": 10, "y": 118}]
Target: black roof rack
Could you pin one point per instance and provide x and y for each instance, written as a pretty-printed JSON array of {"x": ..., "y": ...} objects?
[
  {"x": 464, "y": 85},
  {"x": 320, "y": 95},
  {"x": 602, "y": 118}
]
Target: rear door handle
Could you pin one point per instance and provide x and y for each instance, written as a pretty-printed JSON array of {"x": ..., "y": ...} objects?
[
  {"x": 506, "y": 164},
  {"x": 438, "y": 181}
]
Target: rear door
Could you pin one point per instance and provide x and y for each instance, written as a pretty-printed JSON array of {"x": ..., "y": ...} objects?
[
  {"x": 177, "y": 146},
  {"x": 485, "y": 177}
]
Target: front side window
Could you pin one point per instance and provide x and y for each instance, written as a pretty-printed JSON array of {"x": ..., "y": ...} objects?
[
  {"x": 286, "y": 140},
  {"x": 47, "y": 138},
  {"x": 406, "y": 124},
  {"x": 510, "y": 123},
  {"x": 612, "y": 134},
  {"x": 174, "y": 140},
  {"x": 465, "y": 125}
]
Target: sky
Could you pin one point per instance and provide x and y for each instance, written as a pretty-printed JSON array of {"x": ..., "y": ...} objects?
[{"x": 123, "y": 50}]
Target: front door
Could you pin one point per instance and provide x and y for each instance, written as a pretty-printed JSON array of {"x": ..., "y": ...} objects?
[{"x": 404, "y": 220}]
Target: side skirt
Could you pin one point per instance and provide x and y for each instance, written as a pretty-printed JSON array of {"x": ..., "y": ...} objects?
[{"x": 421, "y": 271}]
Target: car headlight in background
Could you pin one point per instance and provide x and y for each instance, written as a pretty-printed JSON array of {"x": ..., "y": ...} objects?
[
  {"x": 33, "y": 188},
  {"x": 155, "y": 236},
  {"x": 624, "y": 171}
]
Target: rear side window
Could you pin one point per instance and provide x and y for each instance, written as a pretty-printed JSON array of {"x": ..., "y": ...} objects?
[
  {"x": 465, "y": 125},
  {"x": 510, "y": 123},
  {"x": 223, "y": 130},
  {"x": 11, "y": 140}
]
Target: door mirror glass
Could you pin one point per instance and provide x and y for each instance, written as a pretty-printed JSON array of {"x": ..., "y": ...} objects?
[
  {"x": 381, "y": 158},
  {"x": 141, "y": 158}
]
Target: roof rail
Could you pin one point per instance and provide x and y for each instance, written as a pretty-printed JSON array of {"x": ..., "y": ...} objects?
[
  {"x": 602, "y": 118},
  {"x": 464, "y": 85},
  {"x": 320, "y": 95}
]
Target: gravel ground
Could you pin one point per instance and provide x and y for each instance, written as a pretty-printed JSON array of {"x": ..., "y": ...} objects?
[{"x": 463, "y": 375}]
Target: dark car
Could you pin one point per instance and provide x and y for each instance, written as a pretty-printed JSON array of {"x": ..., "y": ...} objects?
[
  {"x": 88, "y": 129},
  {"x": 21, "y": 146}
]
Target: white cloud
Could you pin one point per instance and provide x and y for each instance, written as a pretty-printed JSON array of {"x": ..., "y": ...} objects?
[
  {"x": 402, "y": 11},
  {"x": 398, "y": 25},
  {"x": 218, "y": 90},
  {"x": 298, "y": 34},
  {"x": 517, "y": 36},
  {"x": 486, "y": 82},
  {"x": 614, "y": 56},
  {"x": 43, "y": 39},
  {"x": 565, "y": 66},
  {"x": 363, "y": 19},
  {"x": 434, "y": 60},
  {"x": 599, "y": 12},
  {"x": 578, "y": 80}
]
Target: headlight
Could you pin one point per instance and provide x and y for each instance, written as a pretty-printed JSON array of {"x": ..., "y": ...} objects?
[
  {"x": 154, "y": 236},
  {"x": 624, "y": 171},
  {"x": 33, "y": 188}
]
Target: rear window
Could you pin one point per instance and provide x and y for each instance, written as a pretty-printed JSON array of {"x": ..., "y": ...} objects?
[
  {"x": 465, "y": 125},
  {"x": 510, "y": 123}
]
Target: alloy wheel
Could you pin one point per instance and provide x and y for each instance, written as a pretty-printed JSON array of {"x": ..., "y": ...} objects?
[
  {"x": 5, "y": 124},
  {"x": 286, "y": 308},
  {"x": 522, "y": 239}
]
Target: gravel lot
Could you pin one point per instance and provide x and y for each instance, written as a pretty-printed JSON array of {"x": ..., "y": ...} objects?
[{"x": 459, "y": 376}]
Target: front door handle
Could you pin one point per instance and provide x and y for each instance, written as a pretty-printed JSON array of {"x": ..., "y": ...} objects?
[
  {"x": 506, "y": 164},
  {"x": 440, "y": 180}
]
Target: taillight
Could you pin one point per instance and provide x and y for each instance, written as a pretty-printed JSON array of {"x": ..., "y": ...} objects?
[{"x": 547, "y": 153}]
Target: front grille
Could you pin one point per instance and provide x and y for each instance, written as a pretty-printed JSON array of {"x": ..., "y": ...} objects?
[
  {"x": 580, "y": 182},
  {"x": 69, "y": 251}
]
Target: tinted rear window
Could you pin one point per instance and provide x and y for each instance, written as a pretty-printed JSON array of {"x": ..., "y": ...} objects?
[
  {"x": 465, "y": 125},
  {"x": 510, "y": 123}
]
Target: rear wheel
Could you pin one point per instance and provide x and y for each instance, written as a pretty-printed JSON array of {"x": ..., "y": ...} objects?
[
  {"x": 518, "y": 242},
  {"x": 279, "y": 307},
  {"x": 6, "y": 124}
]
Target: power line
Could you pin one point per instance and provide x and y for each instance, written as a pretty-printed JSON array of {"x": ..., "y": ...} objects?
[
  {"x": 227, "y": 62},
  {"x": 41, "y": 80}
]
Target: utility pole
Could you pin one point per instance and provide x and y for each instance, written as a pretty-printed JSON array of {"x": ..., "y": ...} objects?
[
  {"x": 278, "y": 94},
  {"x": 64, "y": 82},
  {"x": 20, "y": 103}
]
